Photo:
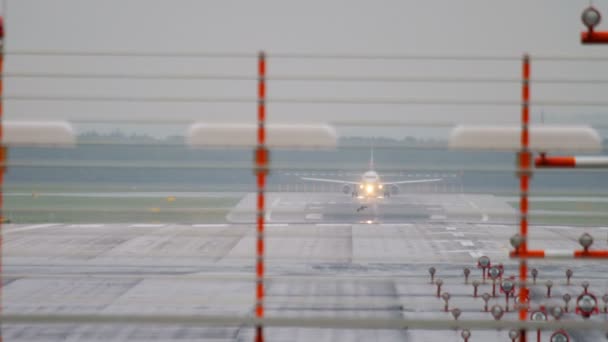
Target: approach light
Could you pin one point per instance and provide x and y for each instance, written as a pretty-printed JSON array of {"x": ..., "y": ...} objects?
[
  {"x": 516, "y": 241},
  {"x": 591, "y": 17},
  {"x": 465, "y": 334},
  {"x": 559, "y": 336},
  {"x": 585, "y": 240},
  {"x": 538, "y": 316},
  {"x": 497, "y": 312},
  {"x": 557, "y": 312},
  {"x": 483, "y": 261},
  {"x": 507, "y": 285},
  {"x": 494, "y": 272},
  {"x": 586, "y": 305},
  {"x": 380, "y": 186}
]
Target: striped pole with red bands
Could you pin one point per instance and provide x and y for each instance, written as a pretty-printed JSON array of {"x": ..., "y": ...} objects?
[{"x": 262, "y": 160}]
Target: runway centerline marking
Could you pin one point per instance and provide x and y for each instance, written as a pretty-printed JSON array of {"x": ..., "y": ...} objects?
[
  {"x": 466, "y": 243},
  {"x": 450, "y": 228},
  {"x": 458, "y": 234},
  {"x": 475, "y": 254},
  {"x": 484, "y": 217},
  {"x": 274, "y": 204}
]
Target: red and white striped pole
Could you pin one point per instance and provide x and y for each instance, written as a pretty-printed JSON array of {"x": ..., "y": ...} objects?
[
  {"x": 261, "y": 168},
  {"x": 561, "y": 254},
  {"x": 544, "y": 161},
  {"x": 525, "y": 159}
]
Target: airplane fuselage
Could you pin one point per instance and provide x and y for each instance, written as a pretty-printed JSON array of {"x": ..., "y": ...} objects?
[{"x": 370, "y": 185}]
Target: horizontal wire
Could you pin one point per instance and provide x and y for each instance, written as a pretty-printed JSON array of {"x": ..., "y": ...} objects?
[
  {"x": 319, "y": 322},
  {"x": 277, "y": 166},
  {"x": 297, "y": 55},
  {"x": 322, "y": 78},
  {"x": 302, "y": 100},
  {"x": 105, "y": 119},
  {"x": 347, "y": 146},
  {"x": 153, "y": 211},
  {"x": 128, "y": 53}
]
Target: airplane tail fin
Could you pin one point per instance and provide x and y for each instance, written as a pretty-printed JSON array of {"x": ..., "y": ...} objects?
[{"x": 371, "y": 158}]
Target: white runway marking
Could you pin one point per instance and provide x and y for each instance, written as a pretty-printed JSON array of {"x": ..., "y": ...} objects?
[
  {"x": 86, "y": 225},
  {"x": 475, "y": 254},
  {"x": 484, "y": 217},
  {"x": 274, "y": 204},
  {"x": 315, "y": 208},
  {"x": 277, "y": 225},
  {"x": 466, "y": 243},
  {"x": 147, "y": 225},
  {"x": 333, "y": 224},
  {"x": 450, "y": 228},
  {"x": 36, "y": 226},
  {"x": 555, "y": 227},
  {"x": 458, "y": 234},
  {"x": 491, "y": 226},
  {"x": 438, "y": 217},
  {"x": 313, "y": 216},
  {"x": 210, "y": 225}
]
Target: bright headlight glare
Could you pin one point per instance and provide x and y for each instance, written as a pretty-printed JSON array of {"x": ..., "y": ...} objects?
[{"x": 369, "y": 188}]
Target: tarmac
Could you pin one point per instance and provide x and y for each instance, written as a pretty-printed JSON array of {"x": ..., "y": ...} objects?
[{"x": 324, "y": 259}]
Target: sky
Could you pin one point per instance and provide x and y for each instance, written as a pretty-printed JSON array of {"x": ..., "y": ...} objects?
[{"x": 449, "y": 27}]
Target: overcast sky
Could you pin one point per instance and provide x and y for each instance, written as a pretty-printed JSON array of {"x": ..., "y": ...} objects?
[{"x": 472, "y": 27}]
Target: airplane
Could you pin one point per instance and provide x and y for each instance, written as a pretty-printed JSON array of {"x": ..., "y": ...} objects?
[{"x": 370, "y": 185}]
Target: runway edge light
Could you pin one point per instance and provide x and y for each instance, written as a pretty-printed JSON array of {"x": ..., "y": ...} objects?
[
  {"x": 299, "y": 136},
  {"x": 543, "y": 138},
  {"x": 38, "y": 133}
]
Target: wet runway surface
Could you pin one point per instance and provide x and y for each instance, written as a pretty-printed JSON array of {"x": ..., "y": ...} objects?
[{"x": 337, "y": 263}]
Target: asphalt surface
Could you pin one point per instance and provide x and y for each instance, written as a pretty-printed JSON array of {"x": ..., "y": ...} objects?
[{"x": 324, "y": 259}]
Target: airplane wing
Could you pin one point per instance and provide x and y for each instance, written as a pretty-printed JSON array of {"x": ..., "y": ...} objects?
[
  {"x": 415, "y": 181},
  {"x": 340, "y": 181}
]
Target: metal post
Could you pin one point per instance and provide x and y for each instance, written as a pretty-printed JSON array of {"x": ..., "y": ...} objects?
[
  {"x": 524, "y": 174},
  {"x": 3, "y": 157},
  {"x": 261, "y": 161}
]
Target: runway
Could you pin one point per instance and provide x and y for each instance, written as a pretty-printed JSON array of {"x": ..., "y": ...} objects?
[
  {"x": 339, "y": 263},
  {"x": 294, "y": 207}
]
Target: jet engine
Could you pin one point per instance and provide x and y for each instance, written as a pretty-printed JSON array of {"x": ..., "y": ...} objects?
[
  {"x": 394, "y": 189},
  {"x": 347, "y": 189}
]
